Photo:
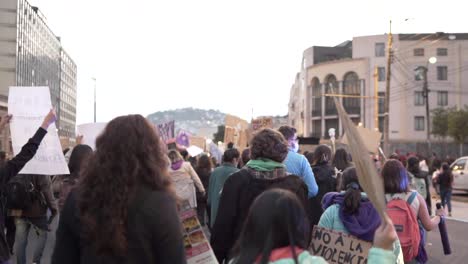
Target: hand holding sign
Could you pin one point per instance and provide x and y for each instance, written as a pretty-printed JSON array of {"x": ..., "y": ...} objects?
[
  {"x": 50, "y": 118},
  {"x": 385, "y": 235}
]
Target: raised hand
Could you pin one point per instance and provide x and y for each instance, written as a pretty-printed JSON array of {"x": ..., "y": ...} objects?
[{"x": 50, "y": 118}]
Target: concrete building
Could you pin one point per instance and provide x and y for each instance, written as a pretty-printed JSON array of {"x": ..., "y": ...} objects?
[
  {"x": 32, "y": 55},
  {"x": 349, "y": 68}
]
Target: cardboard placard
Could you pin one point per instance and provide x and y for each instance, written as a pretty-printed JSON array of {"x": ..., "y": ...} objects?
[
  {"x": 167, "y": 132},
  {"x": 29, "y": 106},
  {"x": 198, "y": 141},
  {"x": 90, "y": 132},
  {"x": 336, "y": 247},
  {"x": 229, "y": 135},
  {"x": 235, "y": 122},
  {"x": 197, "y": 246},
  {"x": 260, "y": 123},
  {"x": 372, "y": 138}
]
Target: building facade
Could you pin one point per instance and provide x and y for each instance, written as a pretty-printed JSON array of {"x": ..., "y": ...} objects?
[
  {"x": 32, "y": 55},
  {"x": 358, "y": 68}
]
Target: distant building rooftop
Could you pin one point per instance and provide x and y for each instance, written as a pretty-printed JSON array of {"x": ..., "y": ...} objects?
[{"x": 433, "y": 36}]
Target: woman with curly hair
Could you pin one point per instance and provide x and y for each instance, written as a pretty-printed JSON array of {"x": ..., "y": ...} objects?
[
  {"x": 123, "y": 209},
  {"x": 264, "y": 171}
]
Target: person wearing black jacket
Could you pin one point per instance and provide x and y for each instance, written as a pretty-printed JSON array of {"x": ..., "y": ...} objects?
[
  {"x": 264, "y": 171},
  {"x": 413, "y": 167},
  {"x": 15, "y": 165},
  {"x": 123, "y": 209}
]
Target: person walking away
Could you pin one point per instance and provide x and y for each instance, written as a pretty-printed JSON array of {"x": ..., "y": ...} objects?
[
  {"x": 203, "y": 170},
  {"x": 264, "y": 171},
  {"x": 275, "y": 233},
  {"x": 351, "y": 212},
  {"x": 408, "y": 209},
  {"x": 420, "y": 180},
  {"x": 124, "y": 208},
  {"x": 184, "y": 177},
  {"x": 80, "y": 154},
  {"x": 218, "y": 178},
  {"x": 325, "y": 177},
  {"x": 341, "y": 161},
  {"x": 12, "y": 167},
  {"x": 34, "y": 216},
  {"x": 296, "y": 163},
  {"x": 445, "y": 181}
]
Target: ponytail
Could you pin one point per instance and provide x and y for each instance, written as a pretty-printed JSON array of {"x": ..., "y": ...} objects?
[{"x": 352, "y": 198}]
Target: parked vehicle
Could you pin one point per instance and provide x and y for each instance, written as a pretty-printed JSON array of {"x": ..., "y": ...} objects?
[{"x": 460, "y": 174}]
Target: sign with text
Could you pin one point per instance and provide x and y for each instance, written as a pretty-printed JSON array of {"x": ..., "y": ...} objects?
[
  {"x": 197, "y": 247},
  {"x": 29, "y": 106},
  {"x": 260, "y": 123},
  {"x": 90, "y": 132},
  {"x": 167, "y": 131},
  {"x": 336, "y": 247}
]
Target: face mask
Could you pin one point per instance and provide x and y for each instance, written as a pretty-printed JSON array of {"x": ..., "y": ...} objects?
[{"x": 296, "y": 147}]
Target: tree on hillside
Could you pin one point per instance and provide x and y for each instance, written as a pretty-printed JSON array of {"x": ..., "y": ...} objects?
[
  {"x": 219, "y": 135},
  {"x": 458, "y": 126}
]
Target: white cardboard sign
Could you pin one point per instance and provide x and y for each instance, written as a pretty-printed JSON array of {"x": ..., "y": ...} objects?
[
  {"x": 90, "y": 132},
  {"x": 29, "y": 106}
]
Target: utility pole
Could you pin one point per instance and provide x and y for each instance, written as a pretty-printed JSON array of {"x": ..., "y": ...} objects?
[
  {"x": 387, "y": 93},
  {"x": 422, "y": 72},
  {"x": 376, "y": 99}
]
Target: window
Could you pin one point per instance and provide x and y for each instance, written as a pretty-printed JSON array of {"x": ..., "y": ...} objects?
[
  {"x": 442, "y": 52},
  {"x": 381, "y": 74},
  {"x": 419, "y": 123},
  {"x": 380, "y": 49},
  {"x": 418, "y": 98},
  {"x": 442, "y": 73},
  {"x": 442, "y": 98},
  {"x": 459, "y": 165},
  {"x": 381, "y": 103},
  {"x": 418, "y": 52}
]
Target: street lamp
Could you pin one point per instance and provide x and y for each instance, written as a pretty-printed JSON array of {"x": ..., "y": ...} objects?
[
  {"x": 94, "y": 79},
  {"x": 422, "y": 75}
]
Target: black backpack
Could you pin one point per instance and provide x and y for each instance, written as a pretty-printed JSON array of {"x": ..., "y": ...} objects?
[{"x": 20, "y": 192}]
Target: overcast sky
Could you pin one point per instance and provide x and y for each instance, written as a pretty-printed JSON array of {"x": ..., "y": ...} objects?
[{"x": 150, "y": 55}]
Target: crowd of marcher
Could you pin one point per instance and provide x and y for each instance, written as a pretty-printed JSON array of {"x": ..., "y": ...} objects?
[{"x": 120, "y": 202}]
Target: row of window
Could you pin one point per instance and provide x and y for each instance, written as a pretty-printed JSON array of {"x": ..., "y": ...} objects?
[
  {"x": 442, "y": 98},
  {"x": 442, "y": 74},
  {"x": 380, "y": 51}
]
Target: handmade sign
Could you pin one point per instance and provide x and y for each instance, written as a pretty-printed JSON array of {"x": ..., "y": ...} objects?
[
  {"x": 166, "y": 132},
  {"x": 90, "y": 132},
  {"x": 260, "y": 123},
  {"x": 198, "y": 141},
  {"x": 372, "y": 141},
  {"x": 197, "y": 246},
  {"x": 29, "y": 106},
  {"x": 370, "y": 182},
  {"x": 336, "y": 247}
]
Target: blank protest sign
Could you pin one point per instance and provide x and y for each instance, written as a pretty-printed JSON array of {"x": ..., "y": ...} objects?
[
  {"x": 29, "y": 106},
  {"x": 90, "y": 132}
]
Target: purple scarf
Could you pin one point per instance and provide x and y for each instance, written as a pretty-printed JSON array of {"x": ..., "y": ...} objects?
[
  {"x": 176, "y": 165},
  {"x": 361, "y": 224}
]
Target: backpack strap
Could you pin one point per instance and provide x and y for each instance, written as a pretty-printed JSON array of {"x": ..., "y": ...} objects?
[{"x": 412, "y": 196}]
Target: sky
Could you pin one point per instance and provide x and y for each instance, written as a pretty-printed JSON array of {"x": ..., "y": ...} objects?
[{"x": 239, "y": 57}]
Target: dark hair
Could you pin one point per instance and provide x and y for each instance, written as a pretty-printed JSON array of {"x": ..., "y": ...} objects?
[
  {"x": 395, "y": 177},
  {"x": 287, "y": 132},
  {"x": 231, "y": 154},
  {"x": 413, "y": 165},
  {"x": 276, "y": 219},
  {"x": 245, "y": 155},
  {"x": 270, "y": 144},
  {"x": 445, "y": 167},
  {"x": 128, "y": 154},
  {"x": 350, "y": 184},
  {"x": 341, "y": 159},
  {"x": 79, "y": 155},
  {"x": 322, "y": 154},
  {"x": 184, "y": 153},
  {"x": 204, "y": 164},
  {"x": 310, "y": 157},
  {"x": 214, "y": 161},
  {"x": 65, "y": 151},
  {"x": 230, "y": 145},
  {"x": 2, "y": 155}
]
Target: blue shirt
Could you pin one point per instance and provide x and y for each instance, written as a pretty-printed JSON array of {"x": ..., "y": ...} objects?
[{"x": 298, "y": 165}]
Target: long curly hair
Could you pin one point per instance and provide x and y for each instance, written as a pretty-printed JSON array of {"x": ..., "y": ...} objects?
[{"x": 128, "y": 154}]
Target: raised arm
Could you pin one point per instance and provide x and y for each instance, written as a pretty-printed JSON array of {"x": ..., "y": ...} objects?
[{"x": 428, "y": 223}]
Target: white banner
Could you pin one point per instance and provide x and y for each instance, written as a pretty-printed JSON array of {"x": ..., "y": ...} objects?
[
  {"x": 29, "y": 106},
  {"x": 90, "y": 132}
]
